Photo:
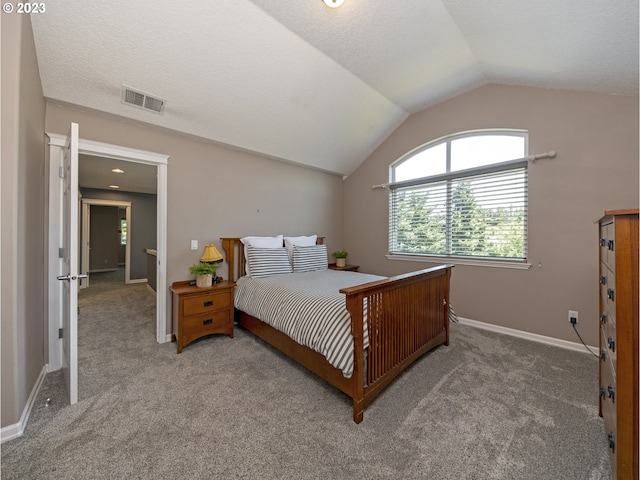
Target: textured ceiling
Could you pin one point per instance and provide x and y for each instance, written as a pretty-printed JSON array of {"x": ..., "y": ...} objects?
[{"x": 298, "y": 81}]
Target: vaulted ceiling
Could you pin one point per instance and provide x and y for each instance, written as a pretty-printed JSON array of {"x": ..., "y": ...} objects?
[{"x": 298, "y": 81}]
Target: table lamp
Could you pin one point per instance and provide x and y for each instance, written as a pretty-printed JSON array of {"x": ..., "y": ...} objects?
[{"x": 213, "y": 256}]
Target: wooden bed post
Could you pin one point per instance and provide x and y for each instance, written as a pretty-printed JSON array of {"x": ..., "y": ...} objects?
[
  {"x": 354, "y": 306},
  {"x": 228, "y": 245}
]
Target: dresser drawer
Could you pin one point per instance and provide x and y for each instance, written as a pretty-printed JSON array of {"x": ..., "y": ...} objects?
[
  {"x": 609, "y": 349},
  {"x": 607, "y": 245},
  {"x": 608, "y": 324},
  {"x": 206, "y": 303},
  {"x": 608, "y": 292},
  {"x": 608, "y": 408},
  {"x": 206, "y": 323}
]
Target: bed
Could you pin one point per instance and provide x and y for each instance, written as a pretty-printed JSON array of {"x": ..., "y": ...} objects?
[{"x": 391, "y": 321}]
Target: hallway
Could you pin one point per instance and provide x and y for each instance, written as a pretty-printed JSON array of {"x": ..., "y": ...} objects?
[{"x": 116, "y": 323}]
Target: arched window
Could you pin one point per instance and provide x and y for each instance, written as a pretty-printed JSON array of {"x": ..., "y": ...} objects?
[{"x": 462, "y": 196}]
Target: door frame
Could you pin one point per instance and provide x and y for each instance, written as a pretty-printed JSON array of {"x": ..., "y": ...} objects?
[
  {"x": 85, "y": 237},
  {"x": 91, "y": 147}
]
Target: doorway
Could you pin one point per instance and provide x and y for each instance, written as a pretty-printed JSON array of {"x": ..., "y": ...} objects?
[
  {"x": 105, "y": 243},
  {"x": 89, "y": 147}
]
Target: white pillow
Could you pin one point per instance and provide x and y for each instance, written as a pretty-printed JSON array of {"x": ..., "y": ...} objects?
[
  {"x": 310, "y": 259},
  {"x": 266, "y": 262},
  {"x": 259, "y": 242},
  {"x": 302, "y": 241}
]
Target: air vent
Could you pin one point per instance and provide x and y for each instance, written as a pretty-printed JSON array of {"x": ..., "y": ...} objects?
[{"x": 136, "y": 98}]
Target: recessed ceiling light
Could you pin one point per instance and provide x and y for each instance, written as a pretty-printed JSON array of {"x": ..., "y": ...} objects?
[
  {"x": 117, "y": 170},
  {"x": 333, "y": 3},
  {"x": 114, "y": 186}
]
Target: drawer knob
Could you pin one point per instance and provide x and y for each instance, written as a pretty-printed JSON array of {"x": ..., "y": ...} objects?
[
  {"x": 208, "y": 303},
  {"x": 603, "y": 354},
  {"x": 612, "y": 344},
  {"x": 208, "y": 321},
  {"x": 612, "y": 442},
  {"x": 603, "y": 318},
  {"x": 610, "y": 294}
]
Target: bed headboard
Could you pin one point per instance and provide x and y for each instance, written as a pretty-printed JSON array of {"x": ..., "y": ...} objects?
[{"x": 234, "y": 253}]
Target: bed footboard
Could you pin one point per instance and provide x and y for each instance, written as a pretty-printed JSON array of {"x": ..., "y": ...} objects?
[{"x": 406, "y": 316}]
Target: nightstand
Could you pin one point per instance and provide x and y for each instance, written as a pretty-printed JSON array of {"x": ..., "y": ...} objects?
[
  {"x": 197, "y": 312},
  {"x": 347, "y": 268}
]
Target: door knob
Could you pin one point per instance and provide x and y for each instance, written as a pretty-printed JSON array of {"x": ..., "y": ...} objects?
[{"x": 68, "y": 277}]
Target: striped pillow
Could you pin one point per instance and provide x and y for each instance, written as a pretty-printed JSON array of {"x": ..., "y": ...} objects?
[
  {"x": 265, "y": 262},
  {"x": 310, "y": 259}
]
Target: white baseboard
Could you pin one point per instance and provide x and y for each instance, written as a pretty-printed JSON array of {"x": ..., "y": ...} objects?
[
  {"x": 17, "y": 429},
  {"x": 155, "y": 294},
  {"x": 556, "y": 342}
]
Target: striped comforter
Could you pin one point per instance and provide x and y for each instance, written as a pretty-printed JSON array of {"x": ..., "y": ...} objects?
[{"x": 309, "y": 308}]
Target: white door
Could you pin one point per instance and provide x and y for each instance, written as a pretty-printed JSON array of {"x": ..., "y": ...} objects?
[{"x": 70, "y": 260}]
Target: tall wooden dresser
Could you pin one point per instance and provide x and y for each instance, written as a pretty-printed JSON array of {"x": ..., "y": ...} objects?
[{"x": 619, "y": 339}]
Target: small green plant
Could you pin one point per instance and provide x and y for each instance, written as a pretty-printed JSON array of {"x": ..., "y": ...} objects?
[
  {"x": 340, "y": 254},
  {"x": 203, "y": 268}
]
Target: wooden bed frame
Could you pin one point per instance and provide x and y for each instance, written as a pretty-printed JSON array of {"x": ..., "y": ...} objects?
[{"x": 408, "y": 315}]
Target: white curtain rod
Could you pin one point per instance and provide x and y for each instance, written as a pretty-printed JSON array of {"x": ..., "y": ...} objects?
[{"x": 530, "y": 158}]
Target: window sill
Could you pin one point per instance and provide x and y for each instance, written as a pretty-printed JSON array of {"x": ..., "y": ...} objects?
[{"x": 512, "y": 264}]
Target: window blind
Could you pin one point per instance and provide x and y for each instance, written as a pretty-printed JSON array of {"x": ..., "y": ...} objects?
[{"x": 478, "y": 213}]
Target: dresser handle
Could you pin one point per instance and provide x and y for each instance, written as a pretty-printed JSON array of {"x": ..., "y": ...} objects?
[
  {"x": 610, "y": 294},
  {"x": 611, "y": 393},
  {"x": 603, "y": 242},
  {"x": 612, "y": 443},
  {"x": 612, "y": 344},
  {"x": 603, "y": 354},
  {"x": 603, "y": 394},
  {"x": 610, "y": 245},
  {"x": 603, "y": 280},
  {"x": 208, "y": 321},
  {"x": 603, "y": 318},
  {"x": 208, "y": 303}
]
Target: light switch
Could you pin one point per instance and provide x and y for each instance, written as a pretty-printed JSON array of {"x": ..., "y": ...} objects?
[{"x": 194, "y": 244}]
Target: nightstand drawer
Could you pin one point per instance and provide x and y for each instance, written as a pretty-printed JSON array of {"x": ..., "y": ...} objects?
[
  {"x": 196, "y": 312},
  {"x": 206, "y": 323},
  {"x": 206, "y": 303}
]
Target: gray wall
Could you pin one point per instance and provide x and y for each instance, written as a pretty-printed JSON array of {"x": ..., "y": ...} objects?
[
  {"x": 144, "y": 224},
  {"x": 23, "y": 292},
  {"x": 596, "y": 137}
]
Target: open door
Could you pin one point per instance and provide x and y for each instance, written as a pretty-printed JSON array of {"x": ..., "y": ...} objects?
[{"x": 70, "y": 259}]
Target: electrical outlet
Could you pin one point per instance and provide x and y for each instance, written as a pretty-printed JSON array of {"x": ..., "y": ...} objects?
[{"x": 573, "y": 317}]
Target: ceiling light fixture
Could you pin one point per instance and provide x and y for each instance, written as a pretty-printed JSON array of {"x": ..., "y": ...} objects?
[
  {"x": 114, "y": 186},
  {"x": 333, "y": 3},
  {"x": 117, "y": 170}
]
